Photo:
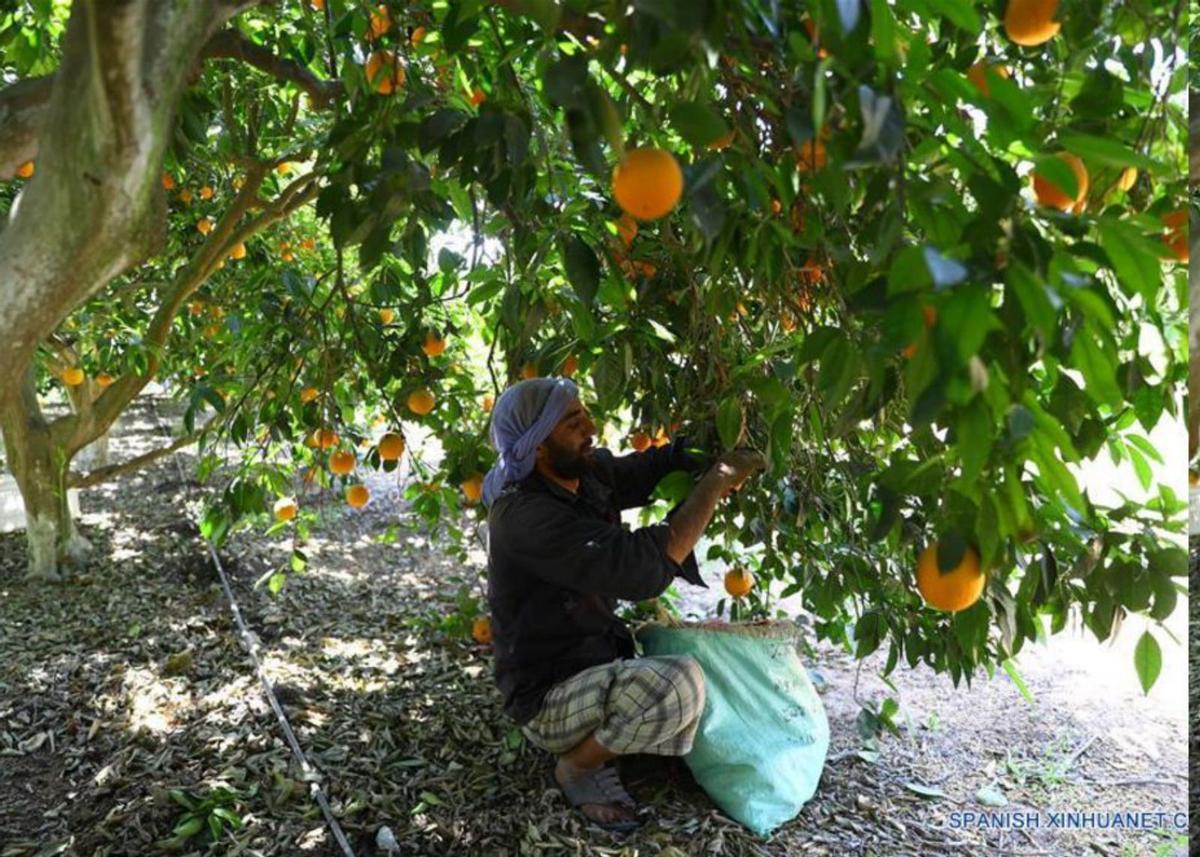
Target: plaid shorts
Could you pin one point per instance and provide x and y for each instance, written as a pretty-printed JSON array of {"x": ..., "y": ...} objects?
[{"x": 636, "y": 705}]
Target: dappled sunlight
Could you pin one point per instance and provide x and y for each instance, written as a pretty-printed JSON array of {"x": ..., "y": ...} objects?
[{"x": 153, "y": 702}]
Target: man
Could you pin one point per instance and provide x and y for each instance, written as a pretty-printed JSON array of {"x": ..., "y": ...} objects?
[{"x": 558, "y": 561}]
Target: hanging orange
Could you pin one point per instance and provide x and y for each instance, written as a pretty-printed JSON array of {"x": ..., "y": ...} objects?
[
  {"x": 738, "y": 582},
  {"x": 433, "y": 345},
  {"x": 1030, "y": 22},
  {"x": 421, "y": 402},
  {"x": 1051, "y": 195},
  {"x": 391, "y": 447},
  {"x": 284, "y": 509},
  {"x": 357, "y": 496},
  {"x": 384, "y": 73},
  {"x": 472, "y": 488},
  {"x": 341, "y": 463},
  {"x": 956, "y": 590},
  {"x": 647, "y": 183}
]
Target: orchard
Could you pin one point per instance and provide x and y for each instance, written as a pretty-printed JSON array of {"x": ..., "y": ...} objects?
[{"x": 929, "y": 257}]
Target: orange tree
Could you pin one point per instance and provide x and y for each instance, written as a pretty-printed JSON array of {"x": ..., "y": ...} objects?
[{"x": 926, "y": 255}]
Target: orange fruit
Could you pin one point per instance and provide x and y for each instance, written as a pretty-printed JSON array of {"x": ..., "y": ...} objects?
[
  {"x": 977, "y": 74},
  {"x": 418, "y": 36},
  {"x": 481, "y": 630},
  {"x": 1029, "y": 22},
  {"x": 1127, "y": 179},
  {"x": 308, "y": 244},
  {"x": 357, "y": 496},
  {"x": 1177, "y": 243},
  {"x": 308, "y": 394},
  {"x": 640, "y": 441},
  {"x": 391, "y": 447},
  {"x": 812, "y": 157},
  {"x": 73, "y": 376},
  {"x": 488, "y": 404},
  {"x": 185, "y": 196},
  {"x": 722, "y": 142},
  {"x": 381, "y": 22},
  {"x": 238, "y": 251},
  {"x": 341, "y": 463},
  {"x": 420, "y": 402},
  {"x": 930, "y": 313},
  {"x": 787, "y": 322},
  {"x": 647, "y": 183},
  {"x": 284, "y": 509},
  {"x": 1049, "y": 194},
  {"x": 25, "y": 171},
  {"x": 627, "y": 228},
  {"x": 384, "y": 73},
  {"x": 204, "y": 225},
  {"x": 287, "y": 257},
  {"x": 104, "y": 379},
  {"x": 956, "y": 590},
  {"x": 168, "y": 180},
  {"x": 909, "y": 351},
  {"x": 237, "y": 182},
  {"x": 478, "y": 96},
  {"x": 433, "y": 346},
  {"x": 776, "y": 206},
  {"x": 196, "y": 308},
  {"x": 206, "y": 192},
  {"x": 646, "y": 269},
  {"x": 529, "y": 370},
  {"x": 317, "y": 4},
  {"x": 387, "y": 315},
  {"x": 661, "y": 439},
  {"x": 472, "y": 488},
  {"x": 1175, "y": 220},
  {"x": 570, "y": 365},
  {"x": 738, "y": 582},
  {"x": 325, "y": 438}
]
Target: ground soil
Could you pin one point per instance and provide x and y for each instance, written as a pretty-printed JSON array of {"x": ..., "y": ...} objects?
[{"x": 130, "y": 681}]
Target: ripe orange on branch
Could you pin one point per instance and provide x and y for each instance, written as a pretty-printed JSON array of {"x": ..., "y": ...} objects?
[
  {"x": 357, "y": 496},
  {"x": 955, "y": 590},
  {"x": 309, "y": 394},
  {"x": 570, "y": 366},
  {"x": 391, "y": 447},
  {"x": 384, "y": 72},
  {"x": 1176, "y": 237},
  {"x": 977, "y": 74},
  {"x": 647, "y": 183},
  {"x": 640, "y": 441},
  {"x": 811, "y": 157},
  {"x": 341, "y": 463},
  {"x": 420, "y": 402},
  {"x": 284, "y": 509},
  {"x": 1050, "y": 194},
  {"x": 1030, "y": 22},
  {"x": 381, "y": 21},
  {"x": 73, "y": 376},
  {"x": 529, "y": 371},
  {"x": 433, "y": 345},
  {"x": 387, "y": 315},
  {"x": 104, "y": 379},
  {"x": 168, "y": 180},
  {"x": 481, "y": 630},
  {"x": 738, "y": 582},
  {"x": 25, "y": 171},
  {"x": 472, "y": 488},
  {"x": 204, "y": 225}
]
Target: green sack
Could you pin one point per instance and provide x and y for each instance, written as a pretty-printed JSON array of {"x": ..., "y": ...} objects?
[{"x": 763, "y": 737}]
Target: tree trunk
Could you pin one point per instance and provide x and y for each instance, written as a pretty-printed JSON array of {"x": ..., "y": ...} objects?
[{"x": 40, "y": 464}]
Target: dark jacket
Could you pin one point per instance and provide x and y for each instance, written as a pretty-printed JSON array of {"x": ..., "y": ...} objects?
[{"x": 558, "y": 562}]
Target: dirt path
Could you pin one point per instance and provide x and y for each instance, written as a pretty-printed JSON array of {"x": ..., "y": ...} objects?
[{"x": 129, "y": 683}]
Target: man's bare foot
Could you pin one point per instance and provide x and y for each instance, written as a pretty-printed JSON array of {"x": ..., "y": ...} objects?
[{"x": 566, "y": 774}]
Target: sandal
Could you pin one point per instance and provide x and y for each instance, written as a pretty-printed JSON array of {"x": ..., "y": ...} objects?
[{"x": 599, "y": 786}]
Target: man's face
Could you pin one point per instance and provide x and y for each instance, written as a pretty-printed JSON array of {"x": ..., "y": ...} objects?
[{"x": 569, "y": 449}]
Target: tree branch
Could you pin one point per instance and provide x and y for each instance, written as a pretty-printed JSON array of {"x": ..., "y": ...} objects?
[
  {"x": 231, "y": 44},
  {"x": 112, "y": 471}
]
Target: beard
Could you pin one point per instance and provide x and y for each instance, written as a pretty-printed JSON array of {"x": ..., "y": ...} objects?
[{"x": 568, "y": 463}]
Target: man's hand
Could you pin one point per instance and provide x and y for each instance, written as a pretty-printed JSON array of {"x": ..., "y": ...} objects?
[{"x": 734, "y": 468}]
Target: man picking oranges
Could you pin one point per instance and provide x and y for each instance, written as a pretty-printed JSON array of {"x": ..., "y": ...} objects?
[{"x": 558, "y": 561}]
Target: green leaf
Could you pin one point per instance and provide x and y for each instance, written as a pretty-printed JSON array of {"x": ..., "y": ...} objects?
[
  {"x": 1032, "y": 295},
  {"x": 583, "y": 268},
  {"x": 1011, "y": 669},
  {"x": 1133, "y": 257},
  {"x": 1140, "y": 466},
  {"x": 276, "y": 581},
  {"x": 923, "y": 791},
  {"x": 1090, "y": 356},
  {"x": 883, "y": 31},
  {"x": 1170, "y": 562},
  {"x": 697, "y": 123},
  {"x": 1147, "y": 659},
  {"x": 1106, "y": 150},
  {"x": 729, "y": 421},
  {"x": 189, "y": 827},
  {"x": 974, "y": 439},
  {"x": 962, "y": 15}
]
